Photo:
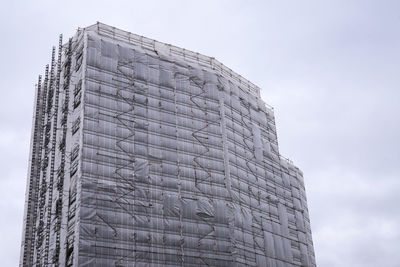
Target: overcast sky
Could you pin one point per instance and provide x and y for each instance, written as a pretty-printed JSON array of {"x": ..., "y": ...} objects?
[{"x": 329, "y": 68}]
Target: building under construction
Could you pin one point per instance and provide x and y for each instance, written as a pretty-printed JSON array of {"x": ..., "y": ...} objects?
[{"x": 147, "y": 154}]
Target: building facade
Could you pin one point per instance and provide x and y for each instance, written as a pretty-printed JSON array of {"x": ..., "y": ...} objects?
[{"x": 146, "y": 154}]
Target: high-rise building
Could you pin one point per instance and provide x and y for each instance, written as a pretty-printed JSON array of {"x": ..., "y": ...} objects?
[{"x": 147, "y": 154}]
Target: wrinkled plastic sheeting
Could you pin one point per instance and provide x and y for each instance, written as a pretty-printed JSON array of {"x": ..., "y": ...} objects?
[{"x": 181, "y": 167}]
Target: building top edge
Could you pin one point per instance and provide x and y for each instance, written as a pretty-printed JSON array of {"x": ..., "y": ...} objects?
[{"x": 188, "y": 55}]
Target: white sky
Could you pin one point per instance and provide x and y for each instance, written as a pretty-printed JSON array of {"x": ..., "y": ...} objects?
[{"x": 330, "y": 69}]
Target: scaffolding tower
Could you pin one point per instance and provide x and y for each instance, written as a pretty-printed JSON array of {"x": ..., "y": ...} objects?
[{"x": 147, "y": 154}]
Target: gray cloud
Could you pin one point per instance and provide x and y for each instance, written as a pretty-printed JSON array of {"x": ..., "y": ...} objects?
[{"x": 330, "y": 69}]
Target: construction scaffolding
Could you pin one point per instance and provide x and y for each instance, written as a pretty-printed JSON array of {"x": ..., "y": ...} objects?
[{"x": 163, "y": 157}]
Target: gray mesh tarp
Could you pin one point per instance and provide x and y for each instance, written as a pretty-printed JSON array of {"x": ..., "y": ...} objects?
[{"x": 180, "y": 167}]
